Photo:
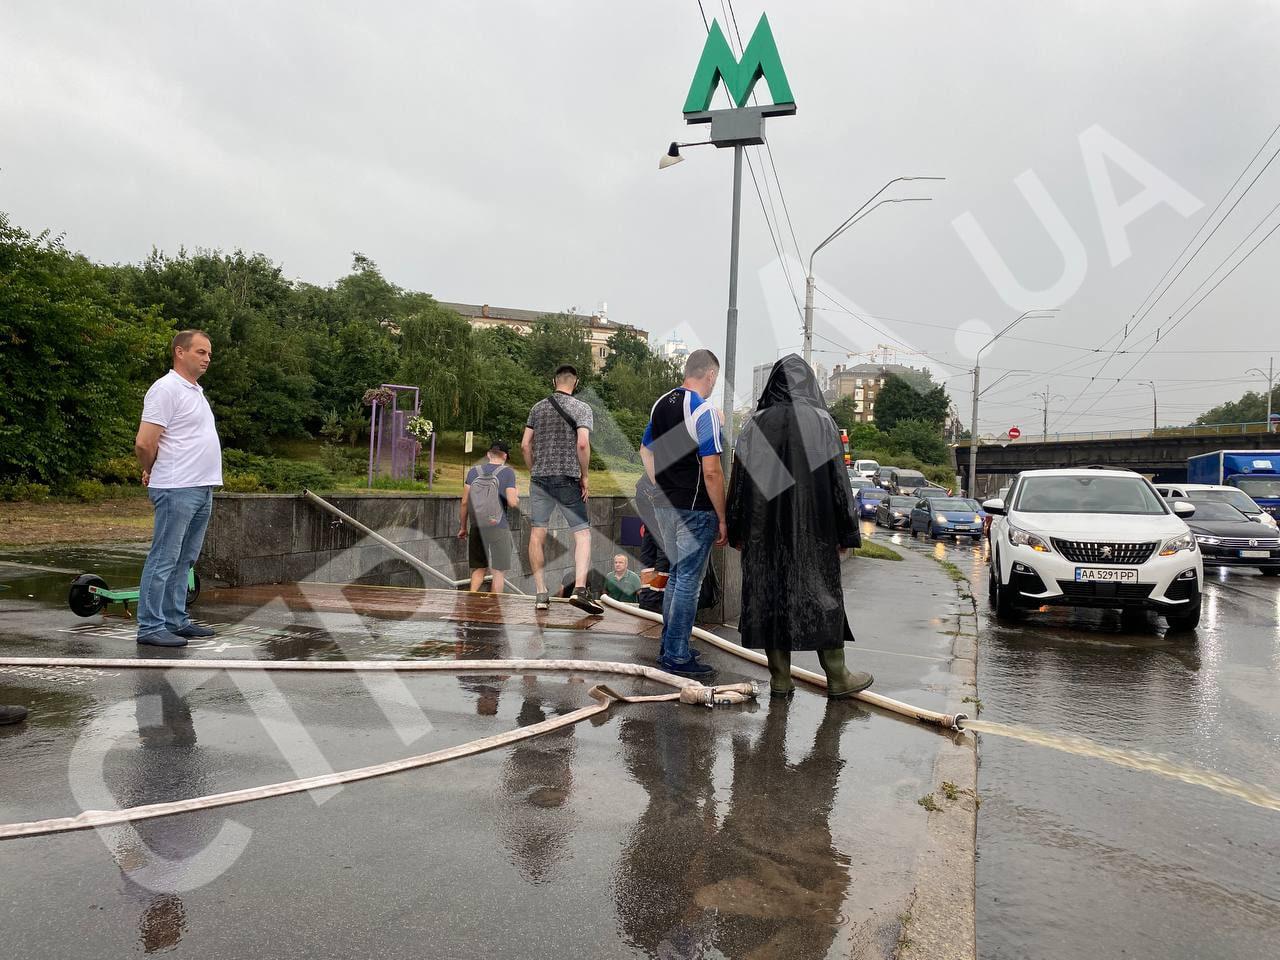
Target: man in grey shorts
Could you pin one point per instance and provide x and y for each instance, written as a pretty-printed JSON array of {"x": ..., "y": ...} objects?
[{"x": 557, "y": 448}]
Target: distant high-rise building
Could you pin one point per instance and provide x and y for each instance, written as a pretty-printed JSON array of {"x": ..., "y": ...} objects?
[
  {"x": 862, "y": 382},
  {"x": 673, "y": 348}
]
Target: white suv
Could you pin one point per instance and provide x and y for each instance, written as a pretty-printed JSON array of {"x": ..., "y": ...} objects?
[{"x": 1093, "y": 538}]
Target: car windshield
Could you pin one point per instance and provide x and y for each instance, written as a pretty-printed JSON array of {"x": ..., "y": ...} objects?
[
  {"x": 1100, "y": 494},
  {"x": 1214, "y": 510},
  {"x": 871, "y": 493},
  {"x": 909, "y": 478},
  {"x": 973, "y": 505},
  {"x": 931, "y": 492},
  {"x": 1266, "y": 488},
  {"x": 956, "y": 506},
  {"x": 867, "y": 465},
  {"x": 902, "y": 503},
  {"x": 1237, "y": 498},
  {"x": 858, "y": 483}
]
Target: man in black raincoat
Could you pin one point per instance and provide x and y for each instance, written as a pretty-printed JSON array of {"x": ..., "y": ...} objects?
[{"x": 791, "y": 513}]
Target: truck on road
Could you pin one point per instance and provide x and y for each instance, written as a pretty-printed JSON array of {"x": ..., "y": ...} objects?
[{"x": 1256, "y": 472}]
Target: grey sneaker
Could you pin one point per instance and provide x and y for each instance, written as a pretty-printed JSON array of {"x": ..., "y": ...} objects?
[
  {"x": 585, "y": 602},
  {"x": 163, "y": 638},
  {"x": 542, "y": 601}
]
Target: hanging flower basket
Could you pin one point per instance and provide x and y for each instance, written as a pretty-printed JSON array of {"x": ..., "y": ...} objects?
[
  {"x": 379, "y": 397},
  {"x": 420, "y": 428}
]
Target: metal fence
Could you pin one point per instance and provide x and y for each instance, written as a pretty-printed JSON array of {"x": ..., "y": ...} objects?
[{"x": 1226, "y": 430}]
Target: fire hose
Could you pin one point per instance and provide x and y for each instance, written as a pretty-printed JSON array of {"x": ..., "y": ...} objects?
[{"x": 686, "y": 691}]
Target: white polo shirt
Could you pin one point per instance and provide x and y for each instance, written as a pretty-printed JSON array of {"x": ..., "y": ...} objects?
[{"x": 189, "y": 455}]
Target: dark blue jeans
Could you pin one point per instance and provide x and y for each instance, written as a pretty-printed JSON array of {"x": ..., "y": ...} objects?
[
  {"x": 687, "y": 536},
  {"x": 182, "y": 516}
]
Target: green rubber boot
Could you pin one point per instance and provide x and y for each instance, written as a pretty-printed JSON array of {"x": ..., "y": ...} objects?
[
  {"x": 840, "y": 682},
  {"x": 780, "y": 682}
]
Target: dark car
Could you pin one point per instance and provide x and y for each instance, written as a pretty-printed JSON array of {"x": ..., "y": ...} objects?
[
  {"x": 1228, "y": 538},
  {"x": 930, "y": 491},
  {"x": 867, "y": 498},
  {"x": 904, "y": 482},
  {"x": 894, "y": 512},
  {"x": 945, "y": 517}
]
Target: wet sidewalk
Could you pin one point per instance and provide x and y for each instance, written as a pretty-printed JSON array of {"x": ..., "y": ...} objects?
[{"x": 658, "y": 830}]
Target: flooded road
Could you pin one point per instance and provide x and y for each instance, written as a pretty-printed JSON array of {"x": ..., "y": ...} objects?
[
  {"x": 1082, "y": 853},
  {"x": 772, "y": 829}
]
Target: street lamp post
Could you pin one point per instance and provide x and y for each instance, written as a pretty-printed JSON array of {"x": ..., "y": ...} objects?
[
  {"x": 853, "y": 218},
  {"x": 973, "y": 429},
  {"x": 1047, "y": 398},
  {"x": 1270, "y": 377},
  {"x": 1155, "y": 409}
]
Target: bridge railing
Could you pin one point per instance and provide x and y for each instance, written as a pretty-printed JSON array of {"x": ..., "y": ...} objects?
[{"x": 1224, "y": 430}]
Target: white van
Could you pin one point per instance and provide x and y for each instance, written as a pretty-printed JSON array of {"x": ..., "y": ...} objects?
[{"x": 865, "y": 468}]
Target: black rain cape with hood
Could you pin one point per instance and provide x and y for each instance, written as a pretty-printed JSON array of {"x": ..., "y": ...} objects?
[{"x": 790, "y": 509}]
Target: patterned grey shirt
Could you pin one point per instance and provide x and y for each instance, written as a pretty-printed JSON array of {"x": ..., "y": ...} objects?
[{"x": 555, "y": 446}]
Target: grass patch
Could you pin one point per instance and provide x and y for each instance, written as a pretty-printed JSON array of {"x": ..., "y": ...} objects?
[
  {"x": 874, "y": 551},
  {"x": 929, "y": 802},
  {"x": 977, "y": 704},
  {"x": 950, "y": 790}
]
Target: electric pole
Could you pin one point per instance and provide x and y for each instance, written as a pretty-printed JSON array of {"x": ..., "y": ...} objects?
[{"x": 1270, "y": 377}]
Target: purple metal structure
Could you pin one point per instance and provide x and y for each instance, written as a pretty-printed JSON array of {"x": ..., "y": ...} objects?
[{"x": 392, "y": 452}]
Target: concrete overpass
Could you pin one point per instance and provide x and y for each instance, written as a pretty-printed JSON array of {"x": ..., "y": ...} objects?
[{"x": 1162, "y": 455}]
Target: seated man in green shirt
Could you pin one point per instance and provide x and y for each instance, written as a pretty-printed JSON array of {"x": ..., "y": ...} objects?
[{"x": 621, "y": 583}]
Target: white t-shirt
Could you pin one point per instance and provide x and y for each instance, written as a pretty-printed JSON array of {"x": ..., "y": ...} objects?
[{"x": 189, "y": 455}]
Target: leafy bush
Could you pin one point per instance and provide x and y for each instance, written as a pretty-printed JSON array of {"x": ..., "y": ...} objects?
[
  {"x": 122, "y": 470},
  {"x": 241, "y": 483},
  {"x": 275, "y": 473},
  {"x": 24, "y": 492},
  {"x": 88, "y": 491}
]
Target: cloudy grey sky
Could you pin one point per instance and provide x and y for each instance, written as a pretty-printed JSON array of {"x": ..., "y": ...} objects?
[{"x": 507, "y": 153}]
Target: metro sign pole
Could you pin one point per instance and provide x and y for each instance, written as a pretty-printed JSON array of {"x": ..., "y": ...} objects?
[{"x": 737, "y": 128}]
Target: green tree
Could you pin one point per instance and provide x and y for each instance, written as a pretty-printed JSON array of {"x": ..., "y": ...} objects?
[
  {"x": 1250, "y": 408},
  {"x": 627, "y": 346},
  {"x": 438, "y": 356},
  {"x": 912, "y": 396},
  {"x": 845, "y": 412},
  {"x": 76, "y": 353},
  {"x": 920, "y": 439},
  {"x": 555, "y": 339}
]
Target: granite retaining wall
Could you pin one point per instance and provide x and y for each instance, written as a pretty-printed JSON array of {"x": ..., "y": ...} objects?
[{"x": 257, "y": 538}]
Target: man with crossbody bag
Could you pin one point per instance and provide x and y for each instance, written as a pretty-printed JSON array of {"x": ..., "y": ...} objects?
[
  {"x": 557, "y": 448},
  {"x": 489, "y": 492}
]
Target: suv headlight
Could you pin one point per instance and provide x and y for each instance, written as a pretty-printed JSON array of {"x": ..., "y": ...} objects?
[
  {"x": 1212, "y": 541},
  {"x": 1178, "y": 544},
  {"x": 1025, "y": 538}
]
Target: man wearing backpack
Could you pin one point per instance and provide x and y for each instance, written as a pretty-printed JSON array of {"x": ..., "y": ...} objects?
[
  {"x": 557, "y": 448},
  {"x": 489, "y": 492}
]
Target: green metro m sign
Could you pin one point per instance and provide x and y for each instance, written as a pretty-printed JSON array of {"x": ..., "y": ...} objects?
[{"x": 759, "y": 59}]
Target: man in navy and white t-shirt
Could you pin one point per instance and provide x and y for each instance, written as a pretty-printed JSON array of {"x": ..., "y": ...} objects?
[
  {"x": 681, "y": 453},
  {"x": 181, "y": 459}
]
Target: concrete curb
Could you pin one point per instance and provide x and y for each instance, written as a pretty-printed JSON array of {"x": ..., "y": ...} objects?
[{"x": 939, "y": 922}]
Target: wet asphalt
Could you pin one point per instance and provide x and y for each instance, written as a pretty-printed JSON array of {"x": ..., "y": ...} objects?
[
  {"x": 771, "y": 830},
  {"x": 1078, "y": 857}
]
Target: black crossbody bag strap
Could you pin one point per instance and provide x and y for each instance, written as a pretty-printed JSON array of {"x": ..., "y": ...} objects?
[{"x": 564, "y": 413}]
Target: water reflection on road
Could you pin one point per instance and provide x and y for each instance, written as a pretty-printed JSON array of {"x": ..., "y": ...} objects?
[{"x": 1079, "y": 855}]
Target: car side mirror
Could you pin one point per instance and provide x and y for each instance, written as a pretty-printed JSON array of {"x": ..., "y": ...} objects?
[
  {"x": 994, "y": 507},
  {"x": 1183, "y": 509}
]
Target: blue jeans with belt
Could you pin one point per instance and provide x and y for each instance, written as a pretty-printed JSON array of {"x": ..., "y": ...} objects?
[
  {"x": 687, "y": 536},
  {"x": 182, "y": 516}
]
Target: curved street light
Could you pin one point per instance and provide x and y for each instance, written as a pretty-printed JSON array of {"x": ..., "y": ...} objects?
[
  {"x": 973, "y": 429},
  {"x": 861, "y": 213}
]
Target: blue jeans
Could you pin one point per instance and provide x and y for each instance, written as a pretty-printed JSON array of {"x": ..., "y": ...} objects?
[
  {"x": 182, "y": 516},
  {"x": 687, "y": 536}
]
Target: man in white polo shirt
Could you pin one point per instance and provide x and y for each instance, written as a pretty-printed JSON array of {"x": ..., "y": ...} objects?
[{"x": 177, "y": 448}]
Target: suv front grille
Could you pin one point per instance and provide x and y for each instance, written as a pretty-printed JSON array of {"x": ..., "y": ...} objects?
[
  {"x": 1130, "y": 592},
  {"x": 1089, "y": 551},
  {"x": 1269, "y": 543}
]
